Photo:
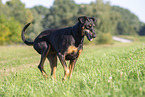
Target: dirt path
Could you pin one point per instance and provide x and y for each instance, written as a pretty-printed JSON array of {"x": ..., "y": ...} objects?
[{"x": 122, "y": 39}]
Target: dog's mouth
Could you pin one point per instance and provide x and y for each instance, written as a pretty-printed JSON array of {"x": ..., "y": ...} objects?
[{"x": 88, "y": 34}]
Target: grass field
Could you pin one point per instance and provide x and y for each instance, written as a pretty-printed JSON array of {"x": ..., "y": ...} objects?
[{"x": 109, "y": 70}]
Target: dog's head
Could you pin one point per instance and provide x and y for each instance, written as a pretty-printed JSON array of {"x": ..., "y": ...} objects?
[{"x": 88, "y": 26}]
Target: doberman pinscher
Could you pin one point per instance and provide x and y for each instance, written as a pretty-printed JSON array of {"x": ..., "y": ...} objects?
[{"x": 66, "y": 43}]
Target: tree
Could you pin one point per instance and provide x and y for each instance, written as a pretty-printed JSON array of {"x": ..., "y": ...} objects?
[
  {"x": 13, "y": 15},
  {"x": 102, "y": 11},
  {"x": 111, "y": 20},
  {"x": 17, "y": 10},
  {"x": 38, "y": 13},
  {"x": 142, "y": 30},
  {"x": 62, "y": 14},
  {"x": 9, "y": 31},
  {"x": 129, "y": 23},
  {"x": 4, "y": 30}
]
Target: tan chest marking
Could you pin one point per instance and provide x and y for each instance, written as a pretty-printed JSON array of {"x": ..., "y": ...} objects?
[
  {"x": 72, "y": 49},
  {"x": 79, "y": 52}
]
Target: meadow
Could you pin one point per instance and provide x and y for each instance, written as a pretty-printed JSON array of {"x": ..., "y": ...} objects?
[{"x": 105, "y": 70}]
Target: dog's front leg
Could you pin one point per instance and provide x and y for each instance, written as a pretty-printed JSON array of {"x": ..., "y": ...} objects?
[
  {"x": 73, "y": 62},
  {"x": 63, "y": 62},
  {"x": 71, "y": 66}
]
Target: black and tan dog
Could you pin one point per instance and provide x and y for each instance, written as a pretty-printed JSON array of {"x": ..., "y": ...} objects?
[{"x": 66, "y": 43}]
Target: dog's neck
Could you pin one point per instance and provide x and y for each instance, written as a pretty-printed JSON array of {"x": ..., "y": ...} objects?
[{"x": 77, "y": 33}]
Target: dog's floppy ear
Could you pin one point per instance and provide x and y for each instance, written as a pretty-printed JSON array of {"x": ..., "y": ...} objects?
[
  {"x": 82, "y": 19},
  {"x": 93, "y": 18}
]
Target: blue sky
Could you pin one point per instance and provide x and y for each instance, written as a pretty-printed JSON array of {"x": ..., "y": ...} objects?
[{"x": 135, "y": 6}]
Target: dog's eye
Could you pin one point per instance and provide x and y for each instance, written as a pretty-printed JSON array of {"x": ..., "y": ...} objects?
[{"x": 90, "y": 25}]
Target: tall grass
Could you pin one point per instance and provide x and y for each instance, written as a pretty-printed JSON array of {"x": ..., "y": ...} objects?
[{"x": 117, "y": 70}]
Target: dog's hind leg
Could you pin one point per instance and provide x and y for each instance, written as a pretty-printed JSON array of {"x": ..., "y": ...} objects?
[
  {"x": 44, "y": 54},
  {"x": 53, "y": 64}
]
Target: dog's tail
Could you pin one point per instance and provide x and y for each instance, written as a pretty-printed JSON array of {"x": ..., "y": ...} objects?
[{"x": 23, "y": 37}]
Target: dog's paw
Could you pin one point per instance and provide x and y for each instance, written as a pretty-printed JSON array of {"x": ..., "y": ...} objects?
[
  {"x": 44, "y": 74},
  {"x": 66, "y": 75},
  {"x": 67, "y": 72}
]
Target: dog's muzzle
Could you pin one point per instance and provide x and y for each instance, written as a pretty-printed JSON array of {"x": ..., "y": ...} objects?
[{"x": 89, "y": 34}]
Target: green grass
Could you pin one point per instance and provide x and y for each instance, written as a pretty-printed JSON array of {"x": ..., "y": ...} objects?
[{"x": 109, "y": 70}]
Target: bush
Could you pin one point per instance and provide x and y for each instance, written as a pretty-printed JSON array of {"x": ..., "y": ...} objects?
[
  {"x": 104, "y": 38},
  {"x": 10, "y": 30},
  {"x": 87, "y": 42}
]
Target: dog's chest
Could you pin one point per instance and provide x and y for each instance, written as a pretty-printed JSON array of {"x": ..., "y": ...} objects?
[
  {"x": 72, "y": 53},
  {"x": 72, "y": 49}
]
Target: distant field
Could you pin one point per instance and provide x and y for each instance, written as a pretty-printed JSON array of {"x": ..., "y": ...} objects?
[{"x": 108, "y": 70}]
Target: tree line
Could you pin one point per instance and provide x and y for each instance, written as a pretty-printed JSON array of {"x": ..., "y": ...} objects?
[{"x": 111, "y": 20}]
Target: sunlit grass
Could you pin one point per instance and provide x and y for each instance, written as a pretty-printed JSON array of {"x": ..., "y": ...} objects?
[{"x": 109, "y": 70}]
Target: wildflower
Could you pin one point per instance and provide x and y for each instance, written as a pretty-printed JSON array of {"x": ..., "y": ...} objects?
[
  {"x": 110, "y": 79},
  {"x": 140, "y": 89},
  {"x": 121, "y": 74}
]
